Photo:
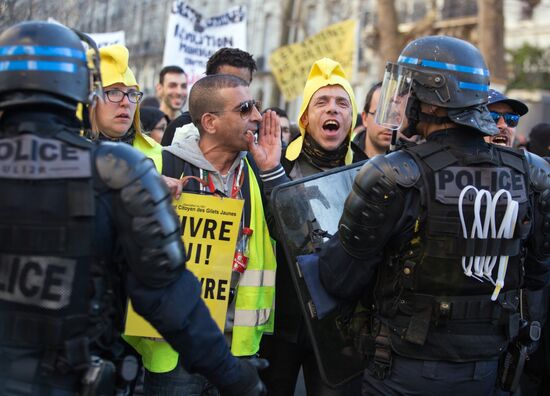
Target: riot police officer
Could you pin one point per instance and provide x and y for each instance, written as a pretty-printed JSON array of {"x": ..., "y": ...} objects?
[
  {"x": 82, "y": 225},
  {"x": 451, "y": 229}
]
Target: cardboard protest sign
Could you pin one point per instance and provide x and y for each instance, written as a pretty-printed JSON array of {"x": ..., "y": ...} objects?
[
  {"x": 210, "y": 228},
  {"x": 291, "y": 64}
]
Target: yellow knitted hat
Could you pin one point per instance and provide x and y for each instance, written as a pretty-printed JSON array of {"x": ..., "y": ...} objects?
[
  {"x": 324, "y": 72},
  {"x": 114, "y": 66}
]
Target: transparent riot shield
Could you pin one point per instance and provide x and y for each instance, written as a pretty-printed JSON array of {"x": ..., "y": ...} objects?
[{"x": 307, "y": 212}]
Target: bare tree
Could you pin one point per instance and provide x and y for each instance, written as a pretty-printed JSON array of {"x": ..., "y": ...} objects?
[
  {"x": 389, "y": 41},
  {"x": 491, "y": 37},
  {"x": 387, "y": 25}
]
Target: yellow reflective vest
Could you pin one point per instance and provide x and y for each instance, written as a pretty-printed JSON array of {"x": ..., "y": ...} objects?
[
  {"x": 255, "y": 296},
  {"x": 150, "y": 148}
]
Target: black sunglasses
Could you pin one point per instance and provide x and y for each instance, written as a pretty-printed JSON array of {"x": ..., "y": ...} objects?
[
  {"x": 244, "y": 108},
  {"x": 510, "y": 119}
]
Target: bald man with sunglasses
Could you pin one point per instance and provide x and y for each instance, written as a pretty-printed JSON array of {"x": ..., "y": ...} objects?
[
  {"x": 227, "y": 158},
  {"x": 506, "y": 113}
]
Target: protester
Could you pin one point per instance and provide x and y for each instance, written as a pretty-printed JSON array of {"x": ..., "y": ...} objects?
[
  {"x": 115, "y": 116},
  {"x": 375, "y": 139},
  {"x": 232, "y": 61},
  {"x": 153, "y": 122},
  {"x": 72, "y": 246},
  {"x": 172, "y": 90},
  {"x": 285, "y": 125},
  {"x": 539, "y": 140},
  {"x": 326, "y": 120},
  {"x": 227, "y": 61},
  {"x": 506, "y": 113},
  {"x": 224, "y": 113},
  {"x": 440, "y": 324}
]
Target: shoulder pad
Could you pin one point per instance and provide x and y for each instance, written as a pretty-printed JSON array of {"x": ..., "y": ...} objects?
[
  {"x": 404, "y": 167},
  {"x": 119, "y": 164},
  {"x": 539, "y": 171}
]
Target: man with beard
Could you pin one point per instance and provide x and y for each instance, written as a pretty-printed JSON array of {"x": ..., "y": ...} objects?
[
  {"x": 326, "y": 119},
  {"x": 375, "y": 139},
  {"x": 172, "y": 90},
  {"x": 506, "y": 113}
]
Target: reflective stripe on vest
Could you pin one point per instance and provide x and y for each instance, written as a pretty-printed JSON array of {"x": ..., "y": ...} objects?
[
  {"x": 250, "y": 318},
  {"x": 256, "y": 290},
  {"x": 258, "y": 278}
]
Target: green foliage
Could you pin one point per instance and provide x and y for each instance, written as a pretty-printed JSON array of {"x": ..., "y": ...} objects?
[{"x": 530, "y": 67}]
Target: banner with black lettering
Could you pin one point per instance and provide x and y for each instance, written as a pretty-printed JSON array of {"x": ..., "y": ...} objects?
[
  {"x": 191, "y": 38},
  {"x": 210, "y": 227}
]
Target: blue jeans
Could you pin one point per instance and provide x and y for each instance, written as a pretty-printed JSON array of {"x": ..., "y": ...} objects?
[
  {"x": 177, "y": 382},
  {"x": 423, "y": 377}
]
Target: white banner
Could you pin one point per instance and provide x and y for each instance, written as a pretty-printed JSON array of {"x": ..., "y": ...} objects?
[
  {"x": 101, "y": 39},
  {"x": 191, "y": 39},
  {"x": 110, "y": 38}
]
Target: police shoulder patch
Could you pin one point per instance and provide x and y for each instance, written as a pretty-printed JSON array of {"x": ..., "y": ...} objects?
[{"x": 31, "y": 157}]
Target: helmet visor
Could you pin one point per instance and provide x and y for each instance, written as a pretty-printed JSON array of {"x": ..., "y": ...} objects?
[{"x": 394, "y": 95}]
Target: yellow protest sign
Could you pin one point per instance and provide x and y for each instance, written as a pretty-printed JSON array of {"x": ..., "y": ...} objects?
[
  {"x": 290, "y": 64},
  {"x": 210, "y": 228}
]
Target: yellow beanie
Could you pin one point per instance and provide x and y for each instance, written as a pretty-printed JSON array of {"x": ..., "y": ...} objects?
[
  {"x": 114, "y": 69},
  {"x": 324, "y": 72},
  {"x": 114, "y": 66}
]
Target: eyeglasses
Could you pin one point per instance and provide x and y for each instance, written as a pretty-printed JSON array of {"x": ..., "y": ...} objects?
[
  {"x": 117, "y": 96},
  {"x": 244, "y": 108},
  {"x": 510, "y": 119}
]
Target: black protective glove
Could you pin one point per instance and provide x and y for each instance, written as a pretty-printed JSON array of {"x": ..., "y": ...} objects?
[{"x": 249, "y": 383}]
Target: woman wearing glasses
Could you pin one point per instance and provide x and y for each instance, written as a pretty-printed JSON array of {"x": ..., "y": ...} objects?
[{"x": 115, "y": 116}]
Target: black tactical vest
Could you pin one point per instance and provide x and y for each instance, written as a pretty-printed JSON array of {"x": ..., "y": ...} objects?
[
  {"x": 433, "y": 310},
  {"x": 53, "y": 284}
]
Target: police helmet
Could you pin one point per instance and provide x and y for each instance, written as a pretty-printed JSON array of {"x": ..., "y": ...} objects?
[
  {"x": 450, "y": 73},
  {"x": 43, "y": 64}
]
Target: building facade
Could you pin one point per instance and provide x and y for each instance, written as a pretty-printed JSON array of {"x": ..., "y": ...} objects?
[{"x": 272, "y": 24}]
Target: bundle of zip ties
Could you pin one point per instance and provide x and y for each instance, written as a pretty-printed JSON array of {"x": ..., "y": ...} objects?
[{"x": 485, "y": 226}]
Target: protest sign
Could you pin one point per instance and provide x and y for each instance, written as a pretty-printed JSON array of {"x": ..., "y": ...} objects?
[
  {"x": 110, "y": 38},
  {"x": 191, "y": 39},
  {"x": 210, "y": 227},
  {"x": 291, "y": 64}
]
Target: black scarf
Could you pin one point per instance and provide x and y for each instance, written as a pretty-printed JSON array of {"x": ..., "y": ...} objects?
[
  {"x": 322, "y": 158},
  {"x": 128, "y": 137}
]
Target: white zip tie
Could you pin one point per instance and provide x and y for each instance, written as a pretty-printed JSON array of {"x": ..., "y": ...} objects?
[{"x": 467, "y": 269}]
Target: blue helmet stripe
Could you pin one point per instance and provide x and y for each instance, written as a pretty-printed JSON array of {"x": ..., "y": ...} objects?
[
  {"x": 37, "y": 66},
  {"x": 472, "y": 86},
  {"x": 444, "y": 66},
  {"x": 406, "y": 59},
  {"x": 67, "y": 52}
]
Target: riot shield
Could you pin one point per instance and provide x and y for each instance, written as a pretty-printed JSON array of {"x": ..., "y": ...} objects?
[{"x": 307, "y": 212}]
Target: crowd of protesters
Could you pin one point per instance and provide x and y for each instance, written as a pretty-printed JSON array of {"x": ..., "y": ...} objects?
[{"x": 231, "y": 146}]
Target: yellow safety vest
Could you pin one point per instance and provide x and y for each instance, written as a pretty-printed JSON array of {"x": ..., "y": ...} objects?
[
  {"x": 150, "y": 148},
  {"x": 144, "y": 346},
  {"x": 255, "y": 296}
]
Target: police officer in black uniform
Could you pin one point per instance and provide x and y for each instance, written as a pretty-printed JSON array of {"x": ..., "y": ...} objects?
[
  {"x": 425, "y": 222},
  {"x": 83, "y": 225}
]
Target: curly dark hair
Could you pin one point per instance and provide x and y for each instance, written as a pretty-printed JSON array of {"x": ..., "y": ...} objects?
[{"x": 232, "y": 57}]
